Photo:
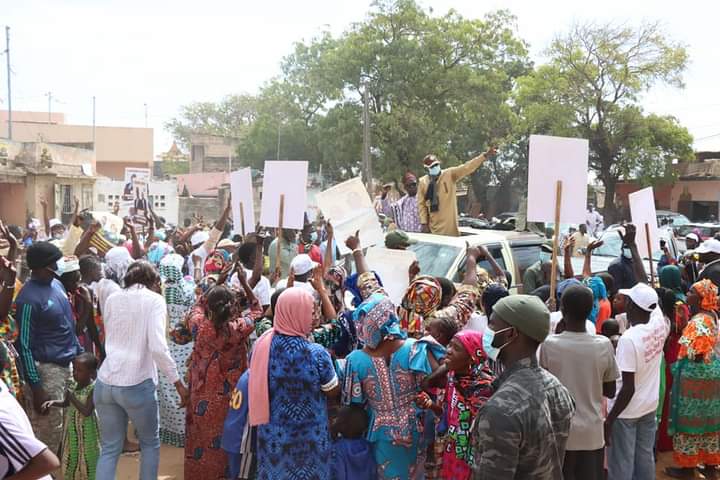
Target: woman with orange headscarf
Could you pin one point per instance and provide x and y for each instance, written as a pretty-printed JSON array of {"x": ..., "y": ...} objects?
[
  {"x": 695, "y": 398},
  {"x": 290, "y": 379}
]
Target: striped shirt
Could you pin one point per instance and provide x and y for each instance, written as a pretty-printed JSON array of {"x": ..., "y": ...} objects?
[{"x": 18, "y": 445}]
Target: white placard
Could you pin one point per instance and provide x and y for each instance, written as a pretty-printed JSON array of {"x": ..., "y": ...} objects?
[
  {"x": 348, "y": 207},
  {"x": 241, "y": 191},
  {"x": 642, "y": 211},
  {"x": 287, "y": 178},
  {"x": 392, "y": 268},
  {"x": 552, "y": 159}
]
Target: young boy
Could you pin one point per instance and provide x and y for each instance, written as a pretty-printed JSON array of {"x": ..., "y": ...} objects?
[
  {"x": 239, "y": 438},
  {"x": 352, "y": 456},
  {"x": 585, "y": 364}
]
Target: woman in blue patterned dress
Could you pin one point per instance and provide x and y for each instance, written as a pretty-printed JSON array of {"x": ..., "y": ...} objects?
[
  {"x": 179, "y": 293},
  {"x": 290, "y": 379}
]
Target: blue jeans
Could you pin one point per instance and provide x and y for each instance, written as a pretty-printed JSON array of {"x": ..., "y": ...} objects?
[
  {"x": 114, "y": 405},
  {"x": 630, "y": 455}
]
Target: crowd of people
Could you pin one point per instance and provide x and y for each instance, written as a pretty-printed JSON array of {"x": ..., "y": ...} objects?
[{"x": 273, "y": 356}]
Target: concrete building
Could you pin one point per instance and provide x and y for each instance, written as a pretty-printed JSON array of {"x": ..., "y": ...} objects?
[
  {"x": 115, "y": 147},
  {"x": 212, "y": 153},
  {"x": 163, "y": 195},
  {"x": 31, "y": 171},
  {"x": 695, "y": 193}
]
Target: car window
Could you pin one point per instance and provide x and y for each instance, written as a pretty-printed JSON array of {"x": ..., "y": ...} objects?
[
  {"x": 612, "y": 246},
  {"x": 495, "y": 251},
  {"x": 525, "y": 255},
  {"x": 435, "y": 259}
]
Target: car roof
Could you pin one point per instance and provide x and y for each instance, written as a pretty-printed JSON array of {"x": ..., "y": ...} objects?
[{"x": 476, "y": 237}]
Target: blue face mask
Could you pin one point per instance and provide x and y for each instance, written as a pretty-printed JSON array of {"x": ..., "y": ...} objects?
[
  {"x": 488, "y": 337},
  {"x": 434, "y": 171},
  {"x": 545, "y": 257},
  {"x": 313, "y": 237},
  {"x": 627, "y": 253}
]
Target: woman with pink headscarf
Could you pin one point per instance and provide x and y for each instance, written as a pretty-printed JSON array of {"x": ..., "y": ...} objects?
[
  {"x": 468, "y": 387},
  {"x": 290, "y": 380}
]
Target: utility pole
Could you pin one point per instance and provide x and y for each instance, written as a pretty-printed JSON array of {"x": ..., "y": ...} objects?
[
  {"x": 366, "y": 160},
  {"x": 49, "y": 95},
  {"x": 9, "y": 90},
  {"x": 93, "y": 131},
  {"x": 145, "y": 105}
]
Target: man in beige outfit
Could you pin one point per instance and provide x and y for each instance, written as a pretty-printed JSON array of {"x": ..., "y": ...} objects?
[{"x": 437, "y": 191}]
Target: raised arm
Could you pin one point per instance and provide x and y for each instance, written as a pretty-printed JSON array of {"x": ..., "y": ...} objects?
[
  {"x": 136, "y": 248},
  {"x": 7, "y": 287},
  {"x": 317, "y": 282},
  {"x": 329, "y": 248},
  {"x": 567, "y": 258},
  {"x": 497, "y": 271},
  {"x": 629, "y": 240},
  {"x": 259, "y": 264},
  {"x": 587, "y": 266},
  {"x": 353, "y": 243},
  {"x": 84, "y": 243},
  {"x": 462, "y": 171}
]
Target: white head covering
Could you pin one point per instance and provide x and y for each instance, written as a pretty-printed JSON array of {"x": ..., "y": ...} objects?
[{"x": 117, "y": 261}]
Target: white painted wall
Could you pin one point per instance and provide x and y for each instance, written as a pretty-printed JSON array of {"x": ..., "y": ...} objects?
[{"x": 164, "y": 193}]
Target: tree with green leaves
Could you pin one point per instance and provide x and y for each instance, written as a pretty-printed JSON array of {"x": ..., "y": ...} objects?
[{"x": 591, "y": 88}]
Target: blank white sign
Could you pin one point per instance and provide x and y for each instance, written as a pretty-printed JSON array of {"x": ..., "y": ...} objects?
[
  {"x": 287, "y": 178},
  {"x": 241, "y": 191},
  {"x": 552, "y": 159},
  {"x": 348, "y": 207},
  {"x": 642, "y": 211},
  {"x": 392, "y": 268}
]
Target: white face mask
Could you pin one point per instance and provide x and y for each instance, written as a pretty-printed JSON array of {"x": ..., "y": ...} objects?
[{"x": 59, "y": 267}]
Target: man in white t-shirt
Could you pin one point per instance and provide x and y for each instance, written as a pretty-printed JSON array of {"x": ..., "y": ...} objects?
[
  {"x": 21, "y": 454},
  {"x": 250, "y": 255},
  {"x": 630, "y": 426},
  {"x": 585, "y": 364}
]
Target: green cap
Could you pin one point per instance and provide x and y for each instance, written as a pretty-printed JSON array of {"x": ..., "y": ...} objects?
[
  {"x": 398, "y": 239},
  {"x": 527, "y": 313}
]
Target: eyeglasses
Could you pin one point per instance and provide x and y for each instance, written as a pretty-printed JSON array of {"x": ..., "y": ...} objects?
[{"x": 413, "y": 184}]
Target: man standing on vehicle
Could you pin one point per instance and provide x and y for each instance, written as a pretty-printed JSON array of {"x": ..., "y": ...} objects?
[
  {"x": 594, "y": 221},
  {"x": 437, "y": 194}
]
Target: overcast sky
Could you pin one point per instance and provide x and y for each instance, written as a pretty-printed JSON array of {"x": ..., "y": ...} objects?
[{"x": 167, "y": 53}]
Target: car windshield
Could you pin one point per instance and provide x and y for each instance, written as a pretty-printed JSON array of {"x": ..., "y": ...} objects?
[
  {"x": 612, "y": 246},
  {"x": 679, "y": 220},
  {"x": 435, "y": 259}
]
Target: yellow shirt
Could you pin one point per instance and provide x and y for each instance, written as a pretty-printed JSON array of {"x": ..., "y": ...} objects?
[{"x": 445, "y": 220}]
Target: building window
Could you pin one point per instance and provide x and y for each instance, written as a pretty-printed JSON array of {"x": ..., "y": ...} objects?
[
  {"x": 101, "y": 197},
  {"x": 67, "y": 200}
]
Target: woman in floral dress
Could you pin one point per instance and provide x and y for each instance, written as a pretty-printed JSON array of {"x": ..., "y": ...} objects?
[{"x": 179, "y": 293}]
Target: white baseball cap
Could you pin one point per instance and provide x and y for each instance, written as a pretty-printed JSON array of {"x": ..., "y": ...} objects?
[
  {"x": 692, "y": 236},
  {"x": 302, "y": 264},
  {"x": 54, "y": 222},
  {"x": 709, "y": 246},
  {"x": 642, "y": 295}
]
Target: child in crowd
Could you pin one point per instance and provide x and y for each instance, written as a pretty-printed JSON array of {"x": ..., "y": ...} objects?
[
  {"x": 352, "y": 455},
  {"x": 81, "y": 440},
  {"x": 239, "y": 438},
  {"x": 611, "y": 330}
]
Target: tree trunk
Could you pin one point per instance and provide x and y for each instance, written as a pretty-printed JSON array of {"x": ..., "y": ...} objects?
[{"x": 610, "y": 211}]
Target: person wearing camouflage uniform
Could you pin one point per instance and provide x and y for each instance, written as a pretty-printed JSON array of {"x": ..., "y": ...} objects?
[{"x": 522, "y": 430}]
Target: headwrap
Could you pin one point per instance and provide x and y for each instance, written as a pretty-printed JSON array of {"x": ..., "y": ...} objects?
[
  {"x": 565, "y": 284},
  {"x": 171, "y": 268},
  {"x": 599, "y": 293},
  {"x": 423, "y": 296},
  {"x": 472, "y": 341},
  {"x": 335, "y": 278},
  {"x": 117, "y": 261},
  {"x": 217, "y": 261},
  {"x": 157, "y": 251},
  {"x": 293, "y": 316},
  {"x": 492, "y": 294},
  {"x": 698, "y": 337},
  {"x": 708, "y": 293},
  {"x": 671, "y": 278},
  {"x": 363, "y": 285},
  {"x": 375, "y": 319},
  {"x": 527, "y": 313}
]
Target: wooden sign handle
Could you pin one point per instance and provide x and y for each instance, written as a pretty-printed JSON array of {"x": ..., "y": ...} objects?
[
  {"x": 556, "y": 239},
  {"x": 242, "y": 220},
  {"x": 650, "y": 255},
  {"x": 280, "y": 230}
]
